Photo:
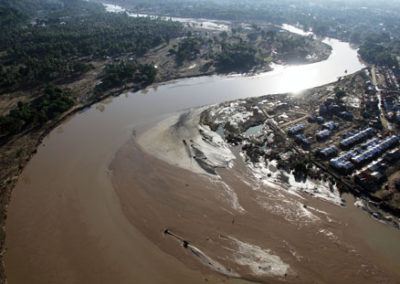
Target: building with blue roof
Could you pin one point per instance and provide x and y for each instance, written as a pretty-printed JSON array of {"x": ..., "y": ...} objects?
[
  {"x": 331, "y": 125},
  {"x": 328, "y": 152},
  {"x": 346, "y": 115},
  {"x": 376, "y": 150},
  {"x": 301, "y": 139},
  {"x": 342, "y": 162},
  {"x": 323, "y": 134},
  {"x": 356, "y": 138},
  {"x": 320, "y": 119},
  {"x": 296, "y": 129}
]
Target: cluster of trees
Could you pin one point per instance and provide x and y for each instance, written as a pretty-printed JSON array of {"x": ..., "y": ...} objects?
[
  {"x": 126, "y": 72},
  {"x": 34, "y": 71},
  {"x": 97, "y": 34},
  {"x": 292, "y": 48},
  {"x": 53, "y": 48},
  {"x": 339, "y": 94},
  {"x": 377, "y": 54},
  {"x": 239, "y": 55},
  {"x": 10, "y": 17},
  {"x": 377, "y": 48},
  {"x": 300, "y": 168},
  {"x": 236, "y": 57},
  {"x": 187, "y": 49},
  {"x": 57, "y": 8},
  {"x": 31, "y": 6},
  {"x": 48, "y": 106},
  {"x": 289, "y": 46}
]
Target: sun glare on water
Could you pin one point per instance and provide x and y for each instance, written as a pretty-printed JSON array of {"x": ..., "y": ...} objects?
[{"x": 296, "y": 79}]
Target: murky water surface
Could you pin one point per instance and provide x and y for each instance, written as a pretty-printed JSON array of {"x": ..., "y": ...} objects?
[{"x": 67, "y": 225}]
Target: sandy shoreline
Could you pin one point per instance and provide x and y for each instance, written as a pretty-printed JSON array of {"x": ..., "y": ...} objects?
[
  {"x": 181, "y": 141},
  {"x": 274, "y": 238}
]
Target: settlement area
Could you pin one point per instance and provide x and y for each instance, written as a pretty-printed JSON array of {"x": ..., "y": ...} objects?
[{"x": 346, "y": 133}]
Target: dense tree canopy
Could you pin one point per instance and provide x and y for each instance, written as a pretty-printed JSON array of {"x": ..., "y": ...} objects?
[
  {"x": 377, "y": 54},
  {"x": 48, "y": 106},
  {"x": 188, "y": 49},
  {"x": 236, "y": 57},
  {"x": 127, "y": 72},
  {"x": 52, "y": 41},
  {"x": 54, "y": 47}
]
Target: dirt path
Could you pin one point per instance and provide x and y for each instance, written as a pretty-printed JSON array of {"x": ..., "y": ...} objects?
[{"x": 382, "y": 116}]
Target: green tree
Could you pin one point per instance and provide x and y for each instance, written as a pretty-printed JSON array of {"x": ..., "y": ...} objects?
[{"x": 339, "y": 94}]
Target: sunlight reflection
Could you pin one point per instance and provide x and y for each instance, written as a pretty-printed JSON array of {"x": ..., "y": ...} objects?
[{"x": 295, "y": 80}]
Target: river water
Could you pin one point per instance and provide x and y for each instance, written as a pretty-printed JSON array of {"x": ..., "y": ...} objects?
[
  {"x": 199, "y": 23},
  {"x": 65, "y": 222}
]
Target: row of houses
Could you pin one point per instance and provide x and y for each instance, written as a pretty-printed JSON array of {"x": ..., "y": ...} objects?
[
  {"x": 375, "y": 150},
  {"x": 374, "y": 175},
  {"x": 391, "y": 79},
  {"x": 356, "y": 138},
  {"x": 369, "y": 143},
  {"x": 328, "y": 152},
  {"x": 355, "y": 158},
  {"x": 342, "y": 163}
]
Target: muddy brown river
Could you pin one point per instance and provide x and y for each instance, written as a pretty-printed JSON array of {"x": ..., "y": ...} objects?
[{"x": 91, "y": 206}]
